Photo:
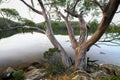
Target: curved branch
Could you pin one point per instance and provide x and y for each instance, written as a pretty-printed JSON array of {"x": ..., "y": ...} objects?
[
  {"x": 26, "y": 27},
  {"x": 71, "y": 13},
  {"x": 35, "y": 10},
  {"x": 60, "y": 13},
  {"x": 96, "y": 2},
  {"x": 104, "y": 24}
]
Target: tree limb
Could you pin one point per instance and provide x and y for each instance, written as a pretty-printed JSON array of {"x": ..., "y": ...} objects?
[
  {"x": 110, "y": 40},
  {"x": 118, "y": 12},
  {"x": 83, "y": 29},
  {"x": 76, "y": 2},
  {"x": 69, "y": 29},
  {"x": 71, "y": 13},
  {"x": 108, "y": 15},
  {"x": 60, "y": 13},
  {"x": 96, "y": 2},
  {"x": 42, "y": 5},
  {"x": 26, "y": 27},
  {"x": 32, "y": 3},
  {"x": 35, "y": 10}
]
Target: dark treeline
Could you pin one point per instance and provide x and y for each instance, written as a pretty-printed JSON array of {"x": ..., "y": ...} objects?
[
  {"x": 6, "y": 24},
  {"x": 58, "y": 27}
]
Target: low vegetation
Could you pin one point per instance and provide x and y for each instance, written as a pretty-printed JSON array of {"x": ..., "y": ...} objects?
[{"x": 55, "y": 65}]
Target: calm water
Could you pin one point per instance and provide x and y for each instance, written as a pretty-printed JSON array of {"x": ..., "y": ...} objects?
[{"x": 21, "y": 48}]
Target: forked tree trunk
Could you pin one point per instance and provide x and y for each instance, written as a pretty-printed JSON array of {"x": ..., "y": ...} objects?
[
  {"x": 80, "y": 53},
  {"x": 80, "y": 57},
  {"x": 108, "y": 12},
  {"x": 80, "y": 47},
  {"x": 49, "y": 33}
]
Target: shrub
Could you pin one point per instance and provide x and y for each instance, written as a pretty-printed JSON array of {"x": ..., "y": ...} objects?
[
  {"x": 55, "y": 65},
  {"x": 56, "y": 68},
  {"x": 18, "y": 75}
]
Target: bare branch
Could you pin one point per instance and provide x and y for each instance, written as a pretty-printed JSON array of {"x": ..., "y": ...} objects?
[
  {"x": 72, "y": 14},
  {"x": 34, "y": 28},
  {"x": 35, "y": 10},
  {"x": 96, "y": 2},
  {"x": 60, "y": 13},
  {"x": 76, "y": 2},
  {"x": 32, "y": 3},
  {"x": 108, "y": 44},
  {"x": 42, "y": 5},
  {"x": 118, "y": 12},
  {"x": 26, "y": 27},
  {"x": 69, "y": 29},
  {"x": 110, "y": 40}
]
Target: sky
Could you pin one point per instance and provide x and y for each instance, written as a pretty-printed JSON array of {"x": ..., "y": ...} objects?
[{"x": 24, "y": 11}]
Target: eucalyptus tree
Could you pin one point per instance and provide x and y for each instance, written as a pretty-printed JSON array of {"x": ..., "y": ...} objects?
[
  {"x": 49, "y": 32},
  {"x": 108, "y": 9},
  {"x": 75, "y": 8}
]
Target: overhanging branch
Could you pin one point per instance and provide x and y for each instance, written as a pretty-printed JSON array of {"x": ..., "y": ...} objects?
[{"x": 26, "y": 27}]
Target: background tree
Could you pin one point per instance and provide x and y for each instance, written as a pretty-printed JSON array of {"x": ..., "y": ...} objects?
[{"x": 9, "y": 14}]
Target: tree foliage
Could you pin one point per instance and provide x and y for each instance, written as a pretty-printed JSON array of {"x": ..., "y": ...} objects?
[{"x": 9, "y": 13}]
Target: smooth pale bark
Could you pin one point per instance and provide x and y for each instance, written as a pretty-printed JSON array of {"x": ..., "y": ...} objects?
[
  {"x": 49, "y": 33},
  {"x": 108, "y": 13},
  {"x": 82, "y": 45},
  {"x": 80, "y": 55},
  {"x": 69, "y": 29},
  {"x": 77, "y": 44}
]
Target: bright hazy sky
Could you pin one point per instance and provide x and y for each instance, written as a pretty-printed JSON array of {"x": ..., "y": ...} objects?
[{"x": 24, "y": 11}]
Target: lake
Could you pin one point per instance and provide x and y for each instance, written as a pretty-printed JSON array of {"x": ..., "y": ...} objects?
[{"x": 21, "y": 48}]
